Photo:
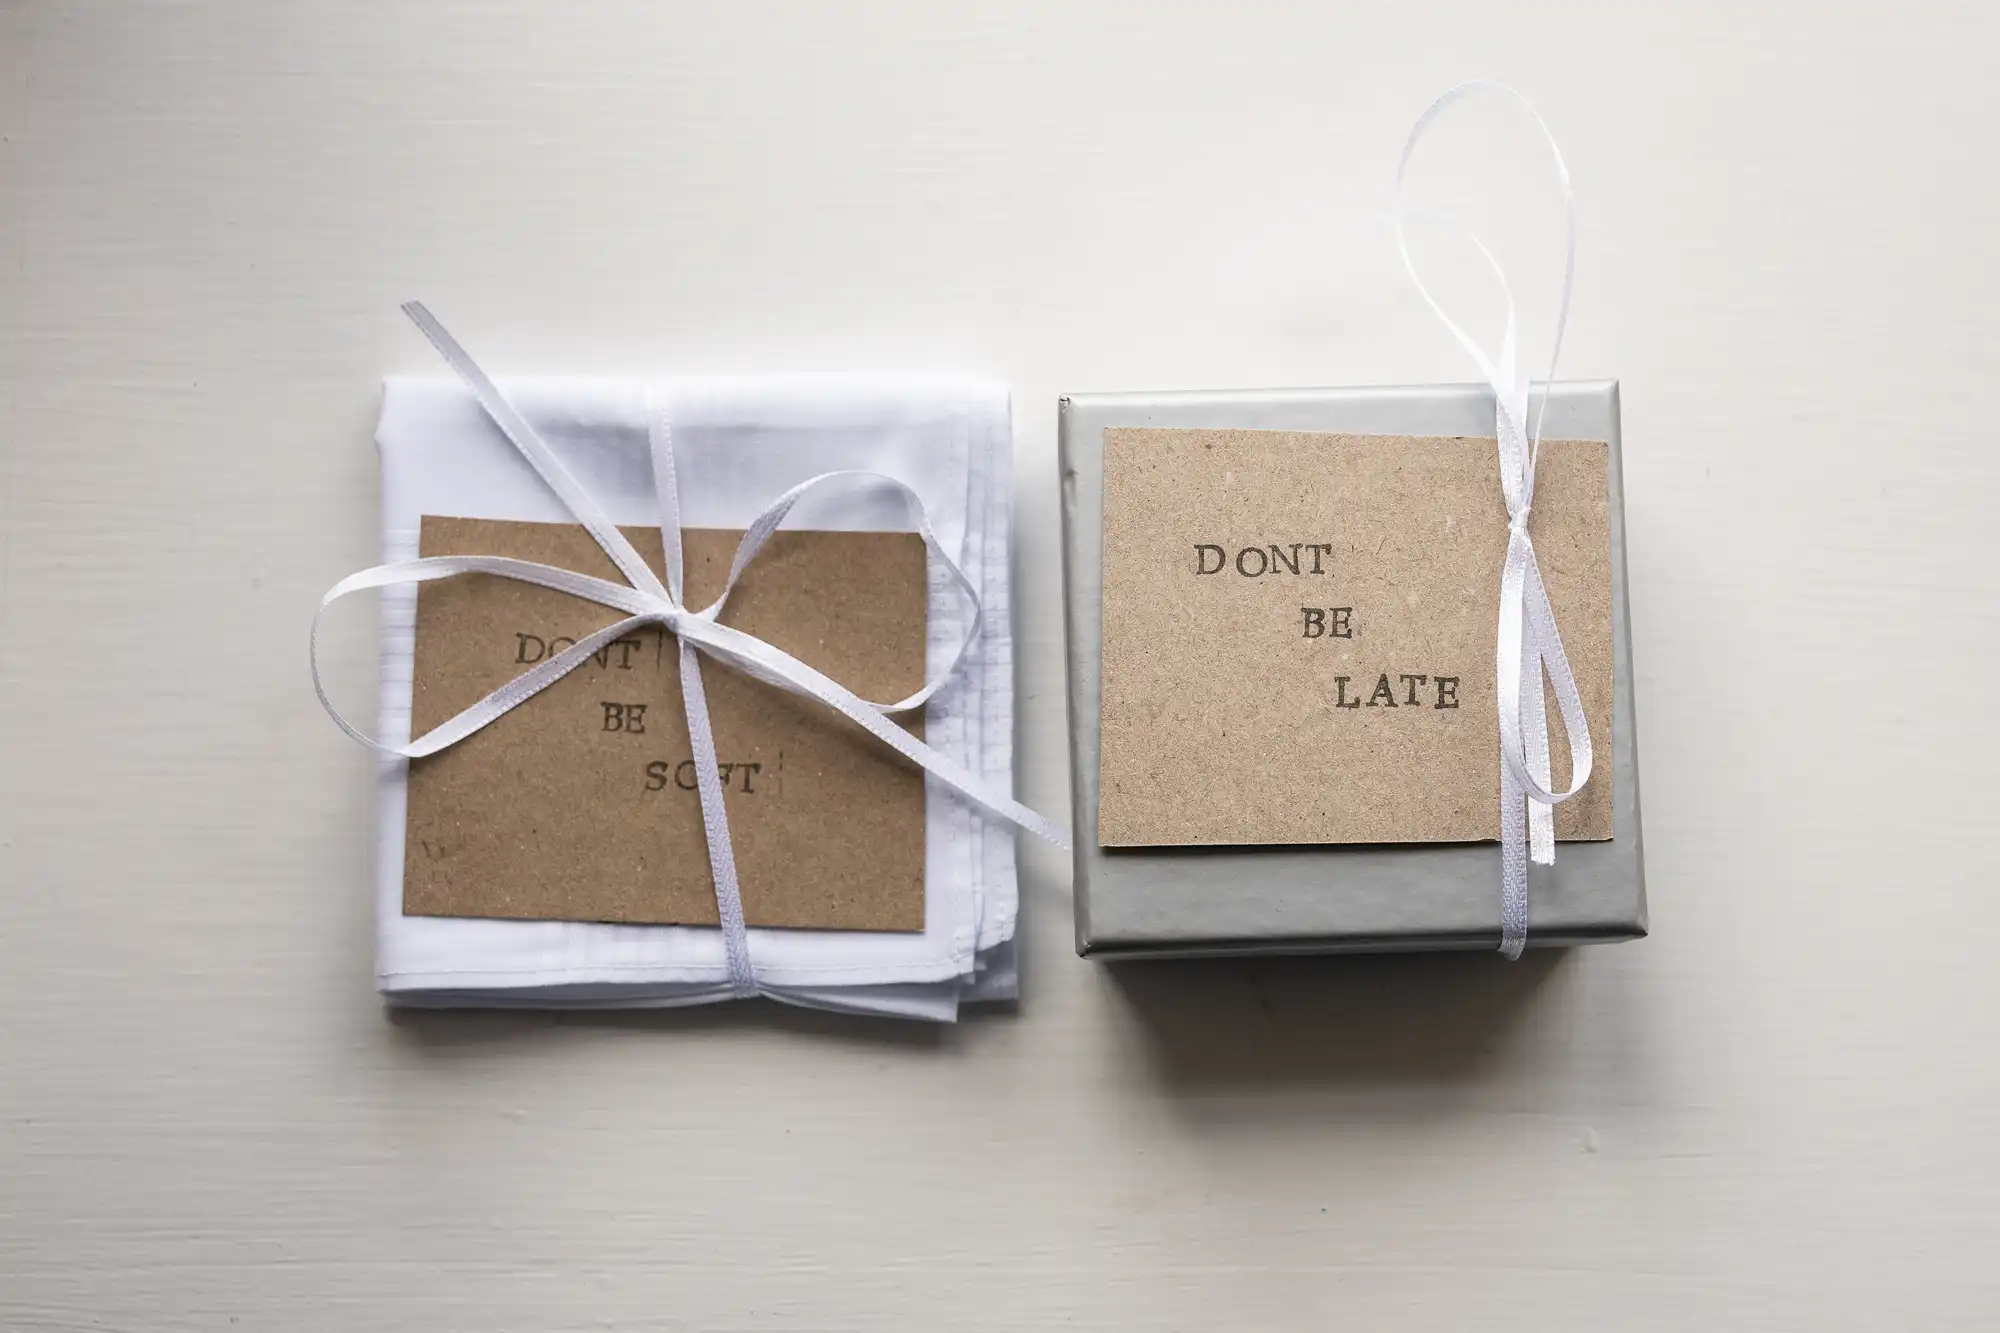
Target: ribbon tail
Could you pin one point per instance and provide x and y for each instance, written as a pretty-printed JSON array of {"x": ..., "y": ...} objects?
[
  {"x": 777, "y": 667},
  {"x": 1529, "y": 633},
  {"x": 1535, "y": 738},
  {"x": 1562, "y": 679}
]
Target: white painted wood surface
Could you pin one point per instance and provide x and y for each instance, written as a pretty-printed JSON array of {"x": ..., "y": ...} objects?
[{"x": 1779, "y": 1113}]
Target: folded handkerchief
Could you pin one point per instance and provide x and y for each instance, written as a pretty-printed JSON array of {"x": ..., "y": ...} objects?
[{"x": 737, "y": 444}]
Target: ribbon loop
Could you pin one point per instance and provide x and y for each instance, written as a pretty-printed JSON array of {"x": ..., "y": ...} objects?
[
  {"x": 773, "y": 517},
  {"x": 648, "y": 600},
  {"x": 1528, "y": 645},
  {"x": 643, "y": 608}
]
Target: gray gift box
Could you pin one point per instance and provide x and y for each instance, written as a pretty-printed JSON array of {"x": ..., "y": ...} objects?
[{"x": 1193, "y": 901}]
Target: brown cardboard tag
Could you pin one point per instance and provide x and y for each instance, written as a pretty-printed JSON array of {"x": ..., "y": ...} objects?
[
  {"x": 580, "y": 804},
  {"x": 1298, "y": 641}
]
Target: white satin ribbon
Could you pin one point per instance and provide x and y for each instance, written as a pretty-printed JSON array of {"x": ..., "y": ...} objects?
[
  {"x": 1528, "y": 642},
  {"x": 646, "y": 601}
]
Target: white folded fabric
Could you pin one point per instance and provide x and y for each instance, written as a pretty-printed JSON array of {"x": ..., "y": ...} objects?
[{"x": 739, "y": 443}]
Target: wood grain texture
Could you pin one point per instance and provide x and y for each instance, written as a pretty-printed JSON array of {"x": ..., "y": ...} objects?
[{"x": 1779, "y": 1113}]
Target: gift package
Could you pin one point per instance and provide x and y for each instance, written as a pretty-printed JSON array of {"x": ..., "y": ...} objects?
[
  {"x": 699, "y": 689},
  {"x": 560, "y": 854},
  {"x": 1281, "y": 612},
  {"x": 1327, "y": 647}
]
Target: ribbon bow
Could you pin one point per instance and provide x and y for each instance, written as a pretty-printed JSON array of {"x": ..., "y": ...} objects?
[
  {"x": 1528, "y": 643},
  {"x": 647, "y": 601}
]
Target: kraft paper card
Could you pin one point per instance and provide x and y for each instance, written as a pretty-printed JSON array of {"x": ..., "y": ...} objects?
[
  {"x": 580, "y": 805},
  {"x": 1298, "y": 635}
]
